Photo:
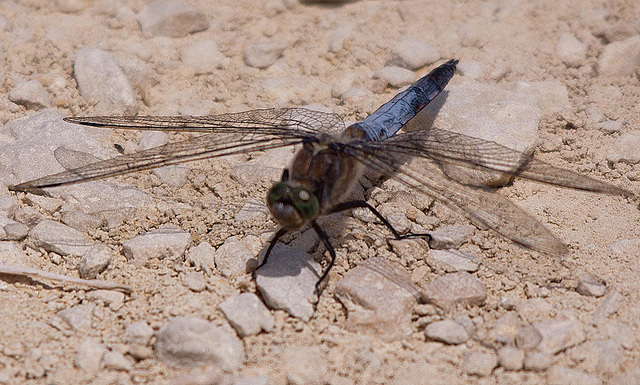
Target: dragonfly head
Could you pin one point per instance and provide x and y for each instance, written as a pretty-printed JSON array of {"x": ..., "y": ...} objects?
[{"x": 292, "y": 206}]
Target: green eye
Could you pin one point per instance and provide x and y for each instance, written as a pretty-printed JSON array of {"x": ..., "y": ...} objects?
[
  {"x": 278, "y": 192},
  {"x": 306, "y": 203}
]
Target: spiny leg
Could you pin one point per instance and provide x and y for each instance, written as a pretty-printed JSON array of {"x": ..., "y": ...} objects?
[
  {"x": 272, "y": 243},
  {"x": 363, "y": 204},
  {"x": 325, "y": 240}
]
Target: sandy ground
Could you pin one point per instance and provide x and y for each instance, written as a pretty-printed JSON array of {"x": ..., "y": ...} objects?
[{"x": 513, "y": 41}]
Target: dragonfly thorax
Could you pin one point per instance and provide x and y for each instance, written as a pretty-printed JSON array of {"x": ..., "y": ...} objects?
[{"x": 292, "y": 207}]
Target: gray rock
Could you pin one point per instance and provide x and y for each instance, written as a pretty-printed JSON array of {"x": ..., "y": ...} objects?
[
  {"x": 395, "y": 76},
  {"x": 99, "y": 78},
  {"x": 376, "y": 299},
  {"x": 11, "y": 230},
  {"x": 78, "y": 317},
  {"x": 116, "y": 361},
  {"x": 609, "y": 305},
  {"x": 247, "y": 314},
  {"x": 166, "y": 242},
  {"x": 455, "y": 288},
  {"x": 58, "y": 238},
  {"x": 413, "y": 54},
  {"x": 558, "y": 334},
  {"x": 510, "y": 358},
  {"x": 454, "y": 260},
  {"x": 505, "y": 329},
  {"x": 48, "y": 204},
  {"x": 201, "y": 257},
  {"x": 253, "y": 209},
  {"x": 620, "y": 58},
  {"x": 265, "y": 167},
  {"x": 171, "y": 18},
  {"x": 30, "y": 94},
  {"x": 560, "y": 375},
  {"x": 588, "y": 285},
  {"x": 174, "y": 176},
  {"x": 611, "y": 126},
  {"x": 528, "y": 338},
  {"x": 236, "y": 254},
  {"x": 552, "y": 95},
  {"x": 604, "y": 357},
  {"x": 81, "y": 221},
  {"x": 538, "y": 362},
  {"x": 8, "y": 205},
  {"x": 204, "y": 57},
  {"x": 194, "y": 281},
  {"x": 479, "y": 364},
  {"x": 288, "y": 281},
  {"x": 570, "y": 50},
  {"x": 187, "y": 342},
  {"x": 138, "y": 332},
  {"x": 262, "y": 55},
  {"x": 450, "y": 237},
  {"x": 111, "y": 298},
  {"x": 447, "y": 331},
  {"x": 11, "y": 254},
  {"x": 152, "y": 139},
  {"x": 534, "y": 309},
  {"x": 625, "y": 148},
  {"x": 89, "y": 355},
  {"x": 94, "y": 261},
  {"x": 470, "y": 69}
]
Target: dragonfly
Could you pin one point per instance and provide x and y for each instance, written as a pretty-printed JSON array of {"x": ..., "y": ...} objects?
[{"x": 332, "y": 158}]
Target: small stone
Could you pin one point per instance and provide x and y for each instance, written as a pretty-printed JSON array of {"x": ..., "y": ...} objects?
[
  {"x": 479, "y": 364},
  {"x": 510, "y": 358},
  {"x": 111, "y": 298},
  {"x": 378, "y": 298},
  {"x": 537, "y": 361},
  {"x": 187, "y": 342},
  {"x": 262, "y": 55},
  {"x": 172, "y": 19},
  {"x": 247, "y": 314},
  {"x": 338, "y": 36},
  {"x": 625, "y": 148},
  {"x": 236, "y": 254},
  {"x": 571, "y": 50},
  {"x": 505, "y": 329},
  {"x": 204, "y": 57},
  {"x": 50, "y": 205},
  {"x": 254, "y": 209},
  {"x": 94, "y": 261},
  {"x": 559, "y": 375},
  {"x": 201, "y": 257},
  {"x": 153, "y": 139},
  {"x": 89, "y": 355},
  {"x": 78, "y": 317},
  {"x": 194, "y": 281},
  {"x": 456, "y": 288},
  {"x": 528, "y": 338},
  {"x": 138, "y": 332},
  {"x": 58, "y": 238},
  {"x": 174, "y": 176},
  {"x": 534, "y": 309},
  {"x": 611, "y": 126},
  {"x": 447, "y": 331},
  {"x": 470, "y": 70},
  {"x": 288, "y": 281},
  {"x": 396, "y": 76},
  {"x": 140, "y": 352},
  {"x": 100, "y": 78},
  {"x": 8, "y": 205},
  {"x": 81, "y": 221},
  {"x": 413, "y": 54},
  {"x": 450, "y": 237},
  {"x": 11, "y": 230},
  {"x": 30, "y": 94},
  {"x": 166, "y": 242},
  {"x": 558, "y": 334},
  {"x": 607, "y": 307},
  {"x": 620, "y": 58},
  {"x": 587, "y": 285},
  {"x": 454, "y": 260},
  {"x": 116, "y": 361}
]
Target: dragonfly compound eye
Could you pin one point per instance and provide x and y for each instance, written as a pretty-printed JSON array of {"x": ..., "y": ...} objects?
[
  {"x": 306, "y": 203},
  {"x": 284, "y": 207}
]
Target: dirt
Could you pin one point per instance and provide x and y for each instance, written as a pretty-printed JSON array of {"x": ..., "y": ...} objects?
[{"x": 514, "y": 39}]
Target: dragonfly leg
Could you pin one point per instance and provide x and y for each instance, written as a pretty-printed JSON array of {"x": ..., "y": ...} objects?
[
  {"x": 325, "y": 240},
  {"x": 272, "y": 243},
  {"x": 357, "y": 204}
]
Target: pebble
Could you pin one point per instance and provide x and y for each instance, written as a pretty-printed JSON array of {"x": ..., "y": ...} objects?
[
  {"x": 116, "y": 361},
  {"x": 552, "y": 95},
  {"x": 528, "y": 338},
  {"x": 48, "y": 204},
  {"x": 413, "y": 54},
  {"x": 167, "y": 242},
  {"x": 30, "y": 94},
  {"x": 100, "y": 78},
  {"x": 139, "y": 333},
  {"x": 288, "y": 281},
  {"x": 81, "y": 221},
  {"x": 204, "y": 57},
  {"x": 377, "y": 301},
  {"x": 188, "y": 342},
  {"x": 78, "y": 317},
  {"x": 560, "y": 375},
  {"x": 174, "y": 176},
  {"x": 570, "y": 50},
  {"x": 589, "y": 286},
  {"x": 8, "y": 205},
  {"x": 94, "y": 261},
  {"x": 152, "y": 139},
  {"x": 625, "y": 148},
  {"x": 607, "y": 307},
  {"x": 453, "y": 260},
  {"x": 11, "y": 230},
  {"x": 58, "y": 238},
  {"x": 338, "y": 36},
  {"x": 478, "y": 363},
  {"x": 253, "y": 209},
  {"x": 89, "y": 355},
  {"x": 262, "y": 55},
  {"x": 558, "y": 334},
  {"x": 236, "y": 254},
  {"x": 505, "y": 329},
  {"x": 450, "y": 237},
  {"x": 395, "y": 76},
  {"x": 538, "y": 362},
  {"x": 620, "y": 58},
  {"x": 470, "y": 69},
  {"x": 510, "y": 358},
  {"x": 194, "y": 281},
  {"x": 11, "y": 254},
  {"x": 534, "y": 309},
  {"x": 171, "y": 18},
  {"x": 447, "y": 331},
  {"x": 247, "y": 314},
  {"x": 201, "y": 257},
  {"x": 611, "y": 126},
  {"x": 456, "y": 288}
]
